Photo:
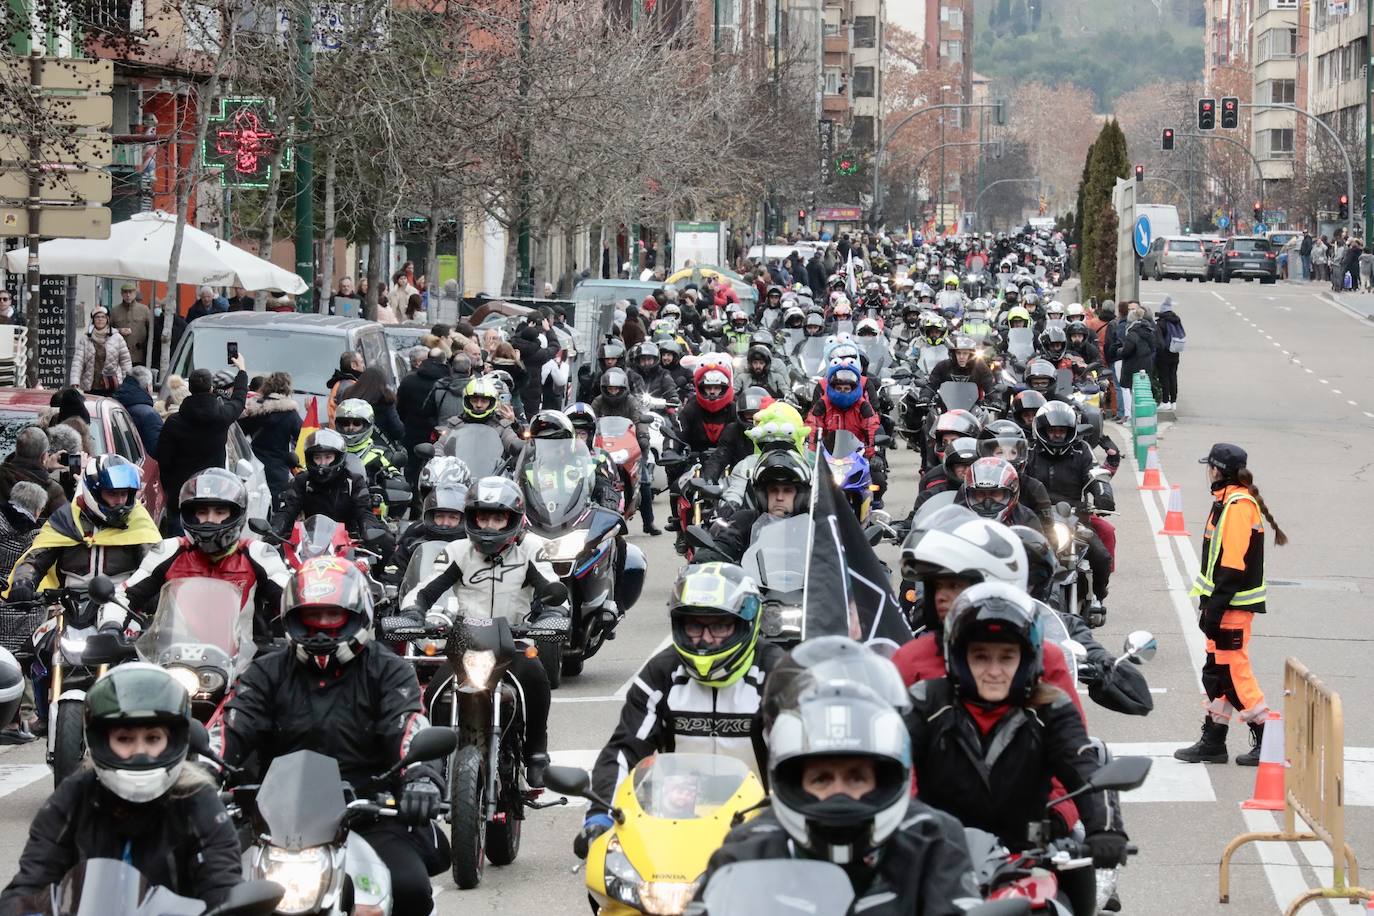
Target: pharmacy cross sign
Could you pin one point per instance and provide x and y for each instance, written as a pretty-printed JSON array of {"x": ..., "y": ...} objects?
[{"x": 241, "y": 140}]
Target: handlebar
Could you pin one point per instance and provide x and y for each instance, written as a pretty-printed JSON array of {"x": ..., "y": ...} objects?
[{"x": 405, "y": 628}]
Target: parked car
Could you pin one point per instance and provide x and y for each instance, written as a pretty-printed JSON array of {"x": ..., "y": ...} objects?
[
  {"x": 1174, "y": 256},
  {"x": 1249, "y": 257},
  {"x": 400, "y": 340}
]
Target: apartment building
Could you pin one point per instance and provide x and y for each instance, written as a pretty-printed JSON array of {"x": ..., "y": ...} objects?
[
  {"x": 1337, "y": 51},
  {"x": 1274, "y": 62},
  {"x": 851, "y": 105}
]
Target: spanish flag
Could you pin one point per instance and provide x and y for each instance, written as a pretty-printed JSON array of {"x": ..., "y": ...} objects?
[{"x": 308, "y": 426}]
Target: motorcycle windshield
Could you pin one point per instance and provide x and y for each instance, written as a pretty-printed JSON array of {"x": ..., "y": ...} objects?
[
  {"x": 301, "y": 800},
  {"x": 478, "y": 445},
  {"x": 426, "y": 562},
  {"x": 556, "y": 477},
  {"x": 778, "y": 887},
  {"x": 932, "y": 357},
  {"x": 959, "y": 395},
  {"x": 841, "y": 444},
  {"x": 200, "y": 624},
  {"x": 684, "y": 787},
  {"x": 317, "y": 535},
  {"x": 776, "y": 560},
  {"x": 875, "y": 348},
  {"x": 1021, "y": 343},
  {"x": 811, "y": 356},
  {"x": 108, "y": 887},
  {"x": 614, "y": 427}
]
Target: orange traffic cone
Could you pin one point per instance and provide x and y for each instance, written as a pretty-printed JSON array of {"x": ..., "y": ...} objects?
[
  {"x": 1152, "y": 480},
  {"x": 1173, "y": 519},
  {"x": 1268, "y": 794}
]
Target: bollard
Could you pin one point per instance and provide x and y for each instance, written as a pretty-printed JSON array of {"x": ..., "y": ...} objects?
[{"x": 1144, "y": 425}]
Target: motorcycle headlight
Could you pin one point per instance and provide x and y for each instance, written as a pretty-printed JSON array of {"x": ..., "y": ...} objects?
[
  {"x": 73, "y": 646},
  {"x": 209, "y": 680},
  {"x": 1063, "y": 536},
  {"x": 666, "y": 897},
  {"x": 622, "y": 881},
  {"x": 565, "y": 548},
  {"x": 620, "y": 455},
  {"x": 305, "y": 875},
  {"x": 478, "y": 664},
  {"x": 186, "y": 677}
]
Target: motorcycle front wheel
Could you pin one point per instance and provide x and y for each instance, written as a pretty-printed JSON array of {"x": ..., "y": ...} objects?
[
  {"x": 467, "y": 818},
  {"x": 69, "y": 741}
]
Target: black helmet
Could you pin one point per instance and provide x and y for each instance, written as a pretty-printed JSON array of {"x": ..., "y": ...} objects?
[
  {"x": 760, "y": 352},
  {"x": 751, "y": 401},
  {"x": 1023, "y": 402},
  {"x": 322, "y": 443},
  {"x": 998, "y": 613},
  {"x": 1054, "y": 342},
  {"x": 1005, "y": 439},
  {"x": 551, "y": 424},
  {"x": 138, "y": 694},
  {"x": 645, "y": 356},
  {"x": 214, "y": 487},
  {"x": 494, "y": 494},
  {"x": 762, "y": 338},
  {"x": 781, "y": 466},
  {"x": 1042, "y": 370},
  {"x": 1078, "y": 328},
  {"x": 444, "y": 499},
  {"x": 1041, "y": 561},
  {"x": 611, "y": 349},
  {"x": 615, "y": 387},
  {"x": 962, "y": 452},
  {"x": 956, "y": 423},
  {"x": 1056, "y": 427}
]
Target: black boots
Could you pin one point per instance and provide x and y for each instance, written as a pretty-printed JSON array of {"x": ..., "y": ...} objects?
[
  {"x": 1251, "y": 758},
  {"x": 1210, "y": 748}
]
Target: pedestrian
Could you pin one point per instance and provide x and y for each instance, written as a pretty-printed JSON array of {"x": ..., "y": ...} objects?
[
  {"x": 632, "y": 331},
  {"x": 385, "y": 314},
  {"x": 1305, "y": 254},
  {"x": 537, "y": 344},
  {"x": 350, "y": 367},
  {"x": 371, "y": 387},
  {"x": 1137, "y": 351},
  {"x": 411, "y": 396},
  {"x": 99, "y": 347},
  {"x": 1111, "y": 351},
  {"x": 131, "y": 318},
  {"x": 415, "y": 309},
  {"x": 204, "y": 304},
  {"x": 136, "y": 394},
  {"x": 1170, "y": 340},
  {"x": 34, "y": 461},
  {"x": 7, "y": 314},
  {"x": 272, "y": 421},
  {"x": 1366, "y": 265},
  {"x": 445, "y": 399},
  {"x": 242, "y": 300},
  {"x": 177, "y": 391},
  {"x": 401, "y": 291},
  {"x": 1230, "y": 588},
  {"x": 1350, "y": 265},
  {"x": 193, "y": 439}
]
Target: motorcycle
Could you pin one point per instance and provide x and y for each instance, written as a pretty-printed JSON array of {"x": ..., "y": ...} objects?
[
  {"x": 776, "y": 561},
  {"x": 1070, "y": 538},
  {"x": 477, "y": 444},
  {"x": 586, "y": 548},
  {"x": 617, "y": 435},
  {"x": 670, "y": 814},
  {"x": 301, "y": 816},
  {"x": 112, "y": 887}
]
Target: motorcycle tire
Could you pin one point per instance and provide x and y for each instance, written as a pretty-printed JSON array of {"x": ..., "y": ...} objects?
[
  {"x": 69, "y": 741},
  {"x": 571, "y": 665},
  {"x": 503, "y": 840},
  {"x": 467, "y": 819}
]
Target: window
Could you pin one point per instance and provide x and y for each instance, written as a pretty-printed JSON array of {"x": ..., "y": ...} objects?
[
  {"x": 833, "y": 77},
  {"x": 953, "y": 17},
  {"x": 1276, "y": 144},
  {"x": 864, "y": 87},
  {"x": 1276, "y": 44},
  {"x": 126, "y": 441},
  {"x": 952, "y": 50},
  {"x": 1279, "y": 92},
  {"x": 865, "y": 31},
  {"x": 861, "y": 134}
]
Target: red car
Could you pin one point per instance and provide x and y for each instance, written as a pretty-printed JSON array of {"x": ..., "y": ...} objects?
[{"x": 112, "y": 430}]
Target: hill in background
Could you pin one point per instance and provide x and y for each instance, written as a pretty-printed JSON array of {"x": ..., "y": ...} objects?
[{"x": 1108, "y": 47}]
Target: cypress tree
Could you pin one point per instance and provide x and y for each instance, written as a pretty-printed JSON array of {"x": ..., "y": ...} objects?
[{"x": 1107, "y": 162}]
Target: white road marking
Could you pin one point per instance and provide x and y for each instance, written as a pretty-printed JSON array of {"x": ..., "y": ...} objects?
[
  {"x": 19, "y": 776},
  {"x": 1368, "y": 414},
  {"x": 1219, "y": 296},
  {"x": 1323, "y": 381},
  {"x": 1335, "y": 391},
  {"x": 611, "y": 699},
  {"x": 1308, "y": 371},
  {"x": 1352, "y": 403},
  {"x": 585, "y": 759},
  {"x": 1170, "y": 780},
  {"x": 1359, "y": 776},
  {"x": 1285, "y": 875}
]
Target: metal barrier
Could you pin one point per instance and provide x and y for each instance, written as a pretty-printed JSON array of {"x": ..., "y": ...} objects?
[{"x": 1314, "y": 786}]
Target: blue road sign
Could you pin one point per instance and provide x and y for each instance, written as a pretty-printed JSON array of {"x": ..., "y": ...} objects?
[
  {"x": 1224, "y": 222},
  {"x": 1261, "y": 228},
  {"x": 1142, "y": 235}
]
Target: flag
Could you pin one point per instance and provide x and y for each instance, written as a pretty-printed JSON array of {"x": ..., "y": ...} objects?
[
  {"x": 308, "y": 426},
  {"x": 846, "y": 590}
]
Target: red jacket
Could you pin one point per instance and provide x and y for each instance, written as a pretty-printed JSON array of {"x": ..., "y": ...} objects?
[{"x": 861, "y": 420}]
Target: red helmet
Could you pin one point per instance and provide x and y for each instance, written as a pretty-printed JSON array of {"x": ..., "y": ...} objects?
[
  {"x": 714, "y": 387},
  {"x": 327, "y": 582}
]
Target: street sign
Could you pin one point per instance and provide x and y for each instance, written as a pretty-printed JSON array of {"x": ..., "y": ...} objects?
[
  {"x": 73, "y": 111},
  {"x": 91, "y": 150},
  {"x": 1141, "y": 235},
  {"x": 1260, "y": 228},
  {"x": 1223, "y": 221},
  {"x": 58, "y": 222},
  {"x": 60, "y": 185},
  {"x": 61, "y": 73}
]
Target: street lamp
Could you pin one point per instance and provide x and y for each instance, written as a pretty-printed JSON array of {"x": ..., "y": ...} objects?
[{"x": 940, "y": 214}]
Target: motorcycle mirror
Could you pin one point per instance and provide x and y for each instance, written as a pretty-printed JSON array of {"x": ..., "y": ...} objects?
[
  {"x": 430, "y": 744},
  {"x": 1079, "y": 652},
  {"x": 100, "y": 589},
  {"x": 1140, "y": 646},
  {"x": 602, "y": 522},
  {"x": 106, "y": 649},
  {"x": 1122, "y": 774},
  {"x": 259, "y": 526},
  {"x": 244, "y": 469},
  {"x": 875, "y": 534},
  {"x": 1099, "y": 474},
  {"x": 399, "y": 457},
  {"x": 425, "y": 450},
  {"x": 568, "y": 780},
  {"x": 250, "y": 898}
]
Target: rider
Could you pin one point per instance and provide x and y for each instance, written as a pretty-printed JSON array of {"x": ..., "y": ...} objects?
[
  {"x": 949, "y": 474},
  {"x": 991, "y": 490},
  {"x": 496, "y": 572},
  {"x": 137, "y": 801},
  {"x": 615, "y": 400},
  {"x": 660, "y": 388},
  {"x": 330, "y": 487},
  {"x": 776, "y": 426},
  {"x": 1024, "y": 406},
  {"x": 962, "y": 365},
  {"x": 610, "y": 355},
  {"x": 699, "y": 695},
  {"x": 214, "y": 509},
  {"x": 843, "y": 406},
  {"x": 480, "y": 400},
  {"x": 759, "y": 372},
  {"x": 670, "y": 354},
  {"x": 336, "y": 691},
  {"x": 583, "y": 420},
  {"x": 1005, "y": 439},
  {"x": 781, "y": 482},
  {"x": 950, "y": 298},
  {"x": 354, "y": 420},
  {"x": 441, "y": 519}
]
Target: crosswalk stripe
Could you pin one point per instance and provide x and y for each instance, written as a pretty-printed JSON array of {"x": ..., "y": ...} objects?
[{"x": 19, "y": 776}]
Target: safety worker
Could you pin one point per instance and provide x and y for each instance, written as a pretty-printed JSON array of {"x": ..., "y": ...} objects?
[{"x": 1230, "y": 589}]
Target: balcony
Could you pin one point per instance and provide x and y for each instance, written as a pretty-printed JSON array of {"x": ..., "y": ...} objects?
[
  {"x": 837, "y": 43},
  {"x": 834, "y": 104}
]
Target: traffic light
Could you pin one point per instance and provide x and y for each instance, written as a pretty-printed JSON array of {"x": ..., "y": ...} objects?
[
  {"x": 1206, "y": 114},
  {"x": 1166, "y": 141},
  {"x": 1230, "y": 113},
  {"x": 1140, "y": 173},
  {"x": 1259, "y": 212},
  {"x": 1345, "y": 207},
  {"x": 801, "y": 213}
]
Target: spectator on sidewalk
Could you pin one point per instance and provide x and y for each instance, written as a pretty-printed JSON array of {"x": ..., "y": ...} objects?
[
  {"x": 273, "y": 422},
  {"x": 1305, "y": 254},
  {"x": 1350, "y": 266},
  {"x": 1320, "y": 253},
  {"x": 136, "y": 394},
  {"x": 1170, "y": 339},
  {"x": 99, "y": 348},
  {"x": 1366, "y": 270},
  {"x": 130, "y": 318},
  {"x": 194, "y": 438}
]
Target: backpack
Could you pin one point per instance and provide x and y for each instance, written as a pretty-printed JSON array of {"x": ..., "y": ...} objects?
[{"x": 1175, "y": 336}]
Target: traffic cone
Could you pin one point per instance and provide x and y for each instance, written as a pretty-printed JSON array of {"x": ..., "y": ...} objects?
[
  {"x": 1152, "y": 480},
  {"x": 1173, "y": 519},
  {"x": 1268, "y": 795}
]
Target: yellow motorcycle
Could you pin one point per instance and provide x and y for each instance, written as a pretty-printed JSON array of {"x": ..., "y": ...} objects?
[{"x": 670, "y": 814}]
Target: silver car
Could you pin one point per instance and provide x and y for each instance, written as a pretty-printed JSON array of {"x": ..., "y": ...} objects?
[{"x": 1175, "y": 256}]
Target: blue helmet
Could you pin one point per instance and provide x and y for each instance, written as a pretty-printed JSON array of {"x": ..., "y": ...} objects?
[
  {"x": 109, "y": 474},
  {"x": 845, "y": 373}
]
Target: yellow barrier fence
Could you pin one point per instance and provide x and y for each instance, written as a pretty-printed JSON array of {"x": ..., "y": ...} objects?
[{"x": 1314, "y": 787}]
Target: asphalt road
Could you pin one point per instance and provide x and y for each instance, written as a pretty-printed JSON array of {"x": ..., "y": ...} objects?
[{"x": 1278, "y": 370}]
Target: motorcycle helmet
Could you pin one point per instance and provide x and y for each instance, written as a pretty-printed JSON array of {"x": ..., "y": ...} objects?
[
  {"x": 955, "y": 424},
  {"x": 762, "y": 338},
  {"x": 962, "y": 546},
  {"x": 615, "y": 388},
  {"x": 1017, "y": 313},
  {"x": 713, "y": 388},
  {"x": 446, "y": 500},
  {"x": 1078, "y": 333},
  {"x": 1043, "y": 564},
  {"x": 843, "y": 352},
  {"x": 646, "y": 358},
  {"x": 669, "y": 353},
  {"x": 924, "y": 294},
  {"x": 353, "y": 420},
  {"x": 822, "y": 660},
  {"x": 962, "y": 343},
  {"x": 759, "y": 353},
  {"x": 670, "y": 311},
  {"x": 214, "y": 487},
  {"x": 779, "y": 425},
  {"x": 739, "y": 320},
  {"x": 1041, "y": 375},
  {"x": 114, "y": 475},
  {"x": 134, "y": 695},
  {"x": 583, "y": 419},
  {"x": 991, "y": 489},
  {"x": 751, "y": 401},
  {"x": 1012, "y": 296},
  {"x": 324, "y": 582},
  {"x": 1024, "y": 406},
  {"x": 1006, "y": 440},
  {"x": 997, "y": 613},
  {"x": 843, "y": 311},
  {"x": 1075, "y": 311},
  {"x": 1055, "y": 309},
  {"x": 324, "y": 456},
  {"x": 840, "y": 720},
  {"x": 1030, "y": 298},
  {"x": 793, "y": 318},
  {"x": 551, "y": 424},
  {"x": 842, "y": 386},
  {"x": 959, "y": 455},
  {"x": 609, "y": 354},
  {"x": 781, "y": 466},
  {"x": 494, "y": 494},
  {"x": 933, "y": 327},
  {"x": 719, "y": 653},
  {"x": 1054, "y": 342},
  {"x": 814, "y": 324},
  {"x": 868, "y": 328},
  {"x": 443, "y": 472},
  {"x": 479, "y": 399},
  {"x": 1056, "y": 427}
]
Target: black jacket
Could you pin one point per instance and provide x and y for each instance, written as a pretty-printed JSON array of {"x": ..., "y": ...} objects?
[
  {"x": 185, "y": 844},
  {"x": 15, "y": 469},
  {"x": 363, "y": 713},
  {"x": 139, "y": 403},
  {"x": 922, "y": 870},
  {"x": 734, "y": 447},
  {"x": 347, "y": 500},
  {"x": 534, "y": 356},
  {"x": 701, "y": 431},
  {"x": 273, "y": 424},
  {"x": 1064, "y": 476},
  {"x": 1167, "y": 325},
  {"x": 194, "y": 437},
  {"x": 1137, "y": 351},
  {"x": 411, "y": 396},
  {"x": 949, "y": 371}
]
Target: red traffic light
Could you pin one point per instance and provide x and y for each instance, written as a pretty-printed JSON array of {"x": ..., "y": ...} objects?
[
  {"x": 1344, "y": 199},
  {"x": 801, "y": 214},
  {"x": 1140, "y": 173},
  {"x": 1206, "y": 104}
]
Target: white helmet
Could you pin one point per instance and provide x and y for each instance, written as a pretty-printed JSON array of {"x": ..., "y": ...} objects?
[
  {"x": 1075, "y": 311},
  {"x": 966, "y": 546}
]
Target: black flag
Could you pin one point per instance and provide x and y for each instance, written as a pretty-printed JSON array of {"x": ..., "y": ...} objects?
[{"x": 847, "y": 589}]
